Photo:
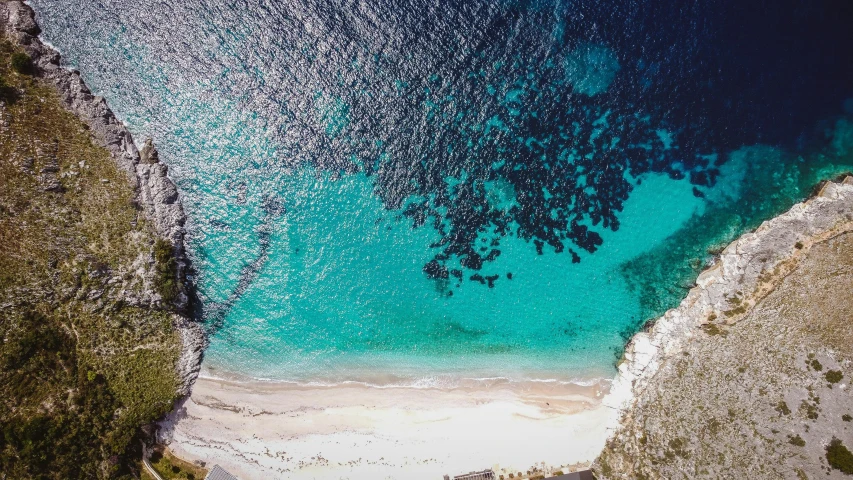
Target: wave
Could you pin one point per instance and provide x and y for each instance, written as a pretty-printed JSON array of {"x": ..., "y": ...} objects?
[{"x": 440, "y": 382}]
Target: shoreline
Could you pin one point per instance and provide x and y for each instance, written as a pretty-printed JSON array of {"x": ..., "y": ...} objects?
[
  {"x": 386, "y": 376},
  {"x": 424, "y": 383},
  {"x": 273, "y": 430},
  {"x": 593, "y": 388},
  {"x": 746, "y": 271}
]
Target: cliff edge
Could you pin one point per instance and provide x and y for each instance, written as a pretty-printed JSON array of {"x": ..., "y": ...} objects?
[
  {"x": 749, "y": 376},
  {"x": 154, "y": 192}
]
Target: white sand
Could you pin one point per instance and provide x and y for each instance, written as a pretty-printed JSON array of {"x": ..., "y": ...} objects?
[{"x": 261, "y": 430}]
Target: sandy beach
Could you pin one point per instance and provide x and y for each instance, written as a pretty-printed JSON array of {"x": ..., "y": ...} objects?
[{"x": 262, "y": 430}]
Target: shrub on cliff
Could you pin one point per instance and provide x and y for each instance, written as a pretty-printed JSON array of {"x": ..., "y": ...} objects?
[
  {"x": 22, "y": 63},
  {"x": 8, "y": 93},
  {"x": 834, "y": 376},
  {"x": 796, "y": 440},
  {"x": 839, "y": 457},
  {"x": 166, "y": 268}
]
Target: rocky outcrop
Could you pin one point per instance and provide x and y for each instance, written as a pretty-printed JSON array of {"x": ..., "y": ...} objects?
[
  {"x": 155, "y": 193},
  {"x": 746, "y": 272},
  {"x": 159, "y": 199}
]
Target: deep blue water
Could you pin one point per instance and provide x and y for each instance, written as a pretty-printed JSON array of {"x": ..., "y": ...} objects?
[{"x": 409, "y": 190}]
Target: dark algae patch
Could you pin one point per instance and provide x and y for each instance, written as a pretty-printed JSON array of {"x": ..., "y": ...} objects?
[
  {"x": 81, "y": 369},
  {"x": 525, "y": 149}
]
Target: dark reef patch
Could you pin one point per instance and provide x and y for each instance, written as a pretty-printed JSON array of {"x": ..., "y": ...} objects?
[
  {"x": 539, "y": 118},
  {"x": 216, "y": 312},
  {"x": 484, "y": 119}
]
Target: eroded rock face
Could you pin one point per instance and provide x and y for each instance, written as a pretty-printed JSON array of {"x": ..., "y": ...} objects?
[
  {"x": 725, "y": 384},
  {"x": 159, "y": 198},
  {"x": 21, "y": 17},
  {"x": 155, "y": 192}
]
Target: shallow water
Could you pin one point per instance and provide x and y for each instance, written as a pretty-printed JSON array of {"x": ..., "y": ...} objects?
[{"x": 425, "y": 191}]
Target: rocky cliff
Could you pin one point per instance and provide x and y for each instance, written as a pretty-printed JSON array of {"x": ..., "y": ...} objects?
[
  {"x": 154, "y": 191},
  {"x": 735, "y": 382}
]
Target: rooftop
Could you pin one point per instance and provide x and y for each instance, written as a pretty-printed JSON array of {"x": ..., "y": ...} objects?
[{"x": 219, "y": 473}]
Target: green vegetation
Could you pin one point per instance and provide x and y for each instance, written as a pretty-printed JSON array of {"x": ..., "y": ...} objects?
[
  {"x": 782, "y": 408},
  {"x": 846, "y": 417},
  {"x": 817, "y": 366},
  {"x": 171, "y": 467},
  {"x": 796, "y": 440},
  {"x": 66, "y": 441},
  {"x": 80, "y": 369},
  {"x": 21, "y": 63},
  {"x": 839, "y": 456},
  {"x": 735, "y": 311},
  {"x": 166, "y": 270},
  {"x": 833, "y": 376},
  {"x": 677, "y": 448},
  {"x": 810, "y": 410},
  {"x": 713, "y": 329}
]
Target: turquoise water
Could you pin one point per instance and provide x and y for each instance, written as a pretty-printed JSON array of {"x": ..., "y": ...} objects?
[
  {"x": 398, "y": 195},
  {"x": 343, "y": 291}
]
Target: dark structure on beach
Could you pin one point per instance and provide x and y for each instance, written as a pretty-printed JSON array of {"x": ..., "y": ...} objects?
[
  {"x": 490, "y": 475},
  {"x": 484, "y": 475},
  {"x": 582, "y": 475},
  {"x": 219, "y": 473}
]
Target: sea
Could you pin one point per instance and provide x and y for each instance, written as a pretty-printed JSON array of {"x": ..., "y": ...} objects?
[{"x": 434, "y": 193}]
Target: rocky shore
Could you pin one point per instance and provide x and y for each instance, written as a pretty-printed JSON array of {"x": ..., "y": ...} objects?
[
  {"x": 746, "y": 271},
  {"x": 731, "y": 354},
  {"x": 155, "y": 193}
]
